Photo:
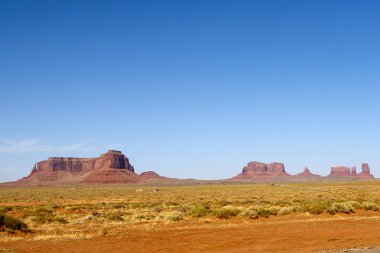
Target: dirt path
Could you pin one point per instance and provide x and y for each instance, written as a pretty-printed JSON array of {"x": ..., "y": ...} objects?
[{"x": 264, "y": 235}]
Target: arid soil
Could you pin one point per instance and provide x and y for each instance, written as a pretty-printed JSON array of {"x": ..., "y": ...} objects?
[{"x": 291, "y": 233}]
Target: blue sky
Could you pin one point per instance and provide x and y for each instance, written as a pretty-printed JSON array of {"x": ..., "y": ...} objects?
[{"x": 191, "y": 89}]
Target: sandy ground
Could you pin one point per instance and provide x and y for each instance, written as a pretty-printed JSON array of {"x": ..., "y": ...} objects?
[{"x": 289, "y": 233}]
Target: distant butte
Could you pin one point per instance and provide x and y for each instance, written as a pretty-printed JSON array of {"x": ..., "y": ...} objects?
[
  {"x": 307, "y": 174},
  {"x": 151, "y": 176},
  {"x": 111, "y": 167},
  {"x": 258, "y": 171},
  {"x": 114, "y": 167},
  {"x": 347, "y": 172},
  {"x": 261, "y": 171}
]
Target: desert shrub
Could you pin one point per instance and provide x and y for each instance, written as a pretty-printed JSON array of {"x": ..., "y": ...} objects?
[
  {"x": 227, "y": 212},
  {"x": 182, "y": 209},
  {"x": 251, "y": 212},
  {"x": 172, "y": 203},
  {"x": 42, "y": 219},
  {"x": 201, "y": 210},
  {"x": 174, "y": 216},
  {"x": 45, "y": 214},
  {"x": 12, "y": 224},
  {"x": 355, "y": 204},
  {"x": 119, "y": 206},
  {"x": 282, "y": 203},
  {"x": 370, "y": 206},
  {"x": 61, "y": 219},
  {"x": 157, "y": 209},
  {"x": 254, "y": 212},
  {"x": 286, "y": 210},
  {"x": 114, "y": 217},
  {"x": 5, "y": 209},
  {"x": 265, "y": 202},
  {"x": 42, "y": 215},
  {"x": 316, "y": 208},
  {"x": 142, "y": 216},
  {"x": 43, "y": 210},
  {"x": 247, "y": 202},
  {"x": 274, "y": 210},
  {"x": 224, "y": 203},
  {"x": 344, "y": 207},
  {"x": 73, "y": 208},
  {"x": 264, "y": 212}
]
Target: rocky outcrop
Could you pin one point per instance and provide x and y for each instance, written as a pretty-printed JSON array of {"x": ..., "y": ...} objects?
[
  {"x": 151, "y": 176},
  {"x": 114, "y": 167},
  {"x": 111, "y": 167},
  {"x": 342, "y": 172},
  {"x": 276, "y": 169},
  {"x": 110, "y": 160},
  {"x": 366, "y": 171},
  {"x": 307, "y": 174},
  {"x": 259, "y": 170}
]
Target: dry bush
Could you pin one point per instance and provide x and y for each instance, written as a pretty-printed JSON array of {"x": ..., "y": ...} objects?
[
  {"x": 251, "y": 212},
  {"x": 142, "y": 217},
  {"x": 44, "y": 209},
  {"x": 355, "y": 204},
  {"x": 370, "y": 206},
  {"x": 174, "y": 216},
  {"x": 114, "y": 217},
  {"x": 344, "y": 207},
  {"x": 287, "y": 210},
  {"x": 226, "y": 212},
  {"x": 316, "y": 207}
]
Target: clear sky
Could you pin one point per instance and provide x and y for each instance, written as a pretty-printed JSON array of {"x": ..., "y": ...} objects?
[{"x": 191, "y": 89}]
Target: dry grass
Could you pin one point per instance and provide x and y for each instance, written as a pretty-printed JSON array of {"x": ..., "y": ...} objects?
[{"x": 83, "y": 212}]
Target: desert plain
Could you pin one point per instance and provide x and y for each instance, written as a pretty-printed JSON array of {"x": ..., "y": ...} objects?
[{"x": 319, "y": 216}]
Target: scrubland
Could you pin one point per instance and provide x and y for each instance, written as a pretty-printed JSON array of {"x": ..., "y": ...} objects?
[{"x": 83, "y": 212}]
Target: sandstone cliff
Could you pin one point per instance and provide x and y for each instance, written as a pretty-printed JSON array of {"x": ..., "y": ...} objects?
[
  {"x": 347, "y": 172},
  {"x": 259, "y": 170},
  {"x": 111, "y": 167},
  {"x": 114, "y": 167}
]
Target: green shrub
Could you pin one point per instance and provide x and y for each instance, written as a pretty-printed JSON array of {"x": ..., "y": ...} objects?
[
  {"x": 12, "y": 224},
  {"x": 4, "y": 209},
  {"x": 227, "y": 212},
  {"x": 316, "y": 208},
  {"x": 355, "y": 204},
  {"x": 42, "y": 219},
  {"x": 264, "y": 212},
  {"x": 201, "y": 210},
  {"x": 344, "y": 207},
  {"x": 274, "y": 210}
]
